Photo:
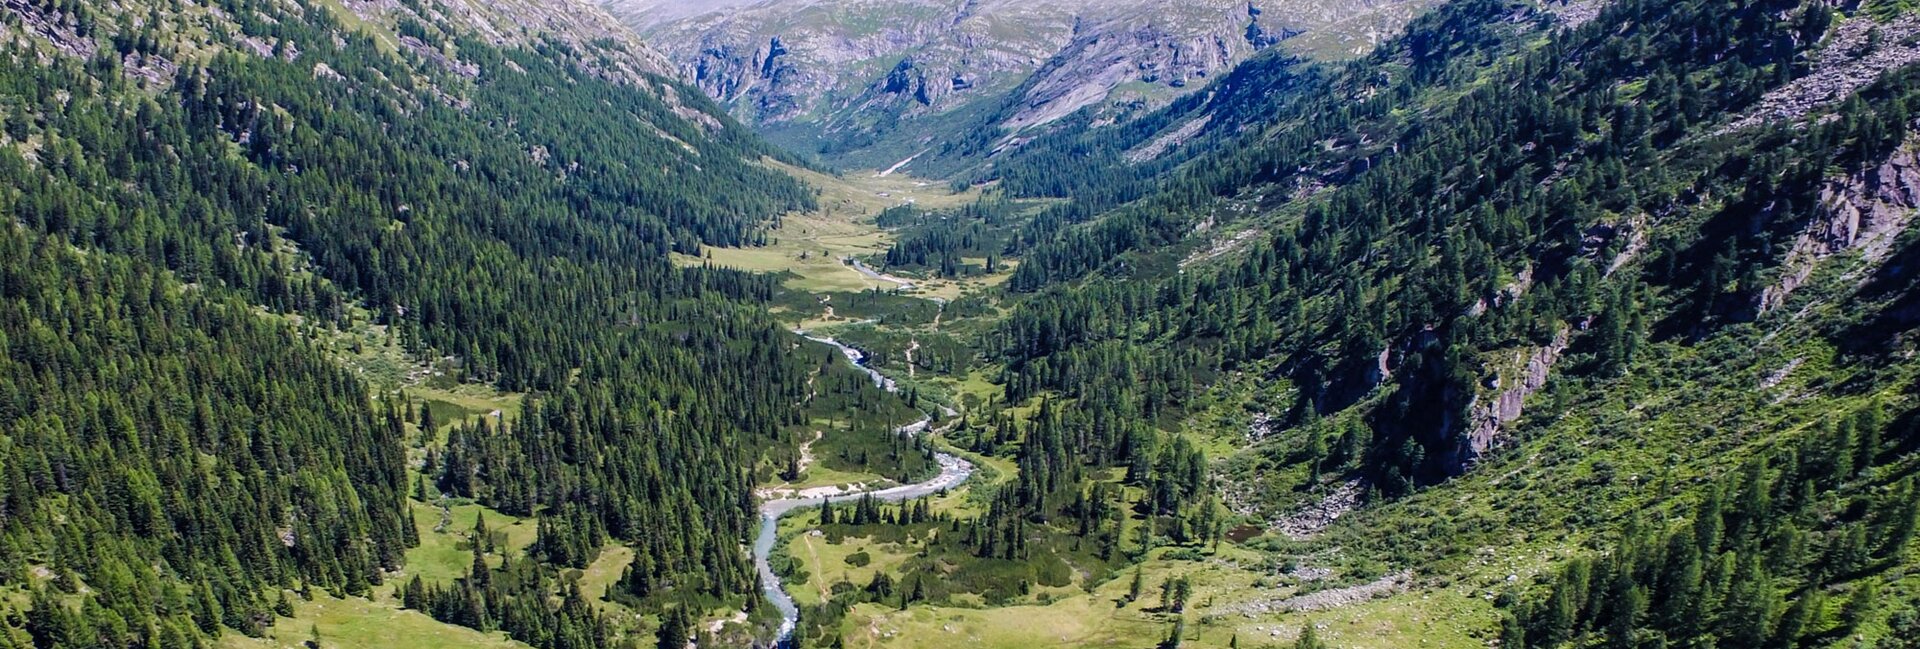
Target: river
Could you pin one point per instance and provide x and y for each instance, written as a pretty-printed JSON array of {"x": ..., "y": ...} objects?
[
  {"x": 953, "y": 471},
  {"x": 870, "y": 273}
]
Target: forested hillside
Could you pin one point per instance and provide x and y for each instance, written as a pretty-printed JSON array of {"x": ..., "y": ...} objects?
[
  {"x": 202, "y": 196},
  {"x": 1629, "y": 283},
  {"x": 1541, "y": 324}
]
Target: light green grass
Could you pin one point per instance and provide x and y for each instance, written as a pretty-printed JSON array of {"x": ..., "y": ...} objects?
[
  {"x": 444, "y": 555},
  {"x": 604, "y": 572},
  {"x": 827, "y": 563},
  {"x": 475, "y": 400},
  {"x": 1076, "y": 622},
  {"x": 811, "y": 245},
  {"x": 818, "y": 475},
  {"x": 383, "y": 37},
  {"x": 355, "y": 623},
  {"x": 1431, "y": 617}
]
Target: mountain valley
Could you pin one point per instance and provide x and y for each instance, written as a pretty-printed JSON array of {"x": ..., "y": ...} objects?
[{"x": 930, "y": 323}]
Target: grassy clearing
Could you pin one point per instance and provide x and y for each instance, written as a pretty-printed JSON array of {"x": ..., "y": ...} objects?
[
  {"x": 474, "y": 399},
  {"x": 1077, "y": 622},
  {"x": 810, "y": 245},
  {"x": 975, "y": 390},
  {"x": 1075, "y": 618},
  {"x": 444, "y": 553},
  {"x": 816, "y": 473},
  {"x": 462, "y": 403},
  {"x": 604, "y": 572},
  {"x": 815, "y": 264},
  {"x": 382, "y": 37},
  {"x": 355, "y": 623},
  {"x": 370, "y": 350},
  {"x": 821, "y": 476},
  {"x": 829, "y": 563}
]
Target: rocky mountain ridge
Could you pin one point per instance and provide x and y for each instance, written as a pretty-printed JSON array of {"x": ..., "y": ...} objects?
[
  {"x": 606, "y": 47},
  {"x": 845, "y": 78}
]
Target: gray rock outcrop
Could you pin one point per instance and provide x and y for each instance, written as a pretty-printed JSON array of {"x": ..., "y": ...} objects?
[
  {"x": 1862, "y": 211},
  {"x": 847, "y": 68}
]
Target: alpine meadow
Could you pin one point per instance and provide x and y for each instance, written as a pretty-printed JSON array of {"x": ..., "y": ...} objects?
[{"x": 922, "y": 324}]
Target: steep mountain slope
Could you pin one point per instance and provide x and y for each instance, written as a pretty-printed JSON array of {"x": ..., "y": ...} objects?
[
  {"x": 1526, "y": 281},
  {"x": 1543, "y": 324},
  {"x": 878, "y": 81},
  {"x": 209, "y": 207}
]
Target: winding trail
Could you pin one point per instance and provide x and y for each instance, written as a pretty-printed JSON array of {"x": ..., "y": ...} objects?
[{"x": 953, "y": 471}]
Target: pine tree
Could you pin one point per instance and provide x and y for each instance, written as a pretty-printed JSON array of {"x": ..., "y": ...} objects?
[
  {"x": 1176, "y": 635},
  {"x": 1861, "y": 606},
  {"x": 415, "y": 595},
  {"x": 478, "y": 574},
  {"x": 1309, "y": 638},
  {"x": 1752, "y": 605},
  {"x": 1903, "y": 519},
  {"x": 674, "y": 631},
  {"x": 1513, "y": 634}
]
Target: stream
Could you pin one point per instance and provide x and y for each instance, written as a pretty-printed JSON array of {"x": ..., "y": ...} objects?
[
  {"x": 953, "y": 471},
  {"x": 870, "y": 273}
]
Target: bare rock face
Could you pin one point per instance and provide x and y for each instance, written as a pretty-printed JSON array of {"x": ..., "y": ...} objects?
[
  {"x": 607, "y": 48},
  {"x": 1856, "y": 54},
  {"x": 1862, "y": 211},
  {"x": 1574, "y": 13},
  {"x": 616, "y": 53},
  {"x": 1143, "y": 49},
  {"x": 57, "y": 27},
  {"x": 1505, "y": 397},
  {"x": 847, "y": 68},
  {"x": 816, "y": 61}
]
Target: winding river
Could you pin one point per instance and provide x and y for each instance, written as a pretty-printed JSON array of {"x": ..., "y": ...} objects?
[
  {"x": 870, "y": 273},
  {"x": 953, "y": 471}
]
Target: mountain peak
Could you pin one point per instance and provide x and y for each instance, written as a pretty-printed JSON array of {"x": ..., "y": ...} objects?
[{"x": 870, "y": 81}]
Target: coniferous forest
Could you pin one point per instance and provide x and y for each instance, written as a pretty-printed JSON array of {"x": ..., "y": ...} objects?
[
  {"x": 175, "y": 460},
  {"x": 1533, "y": 323}
]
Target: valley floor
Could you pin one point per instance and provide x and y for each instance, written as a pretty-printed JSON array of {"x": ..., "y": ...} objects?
[{"x": 1240, "y": 592}]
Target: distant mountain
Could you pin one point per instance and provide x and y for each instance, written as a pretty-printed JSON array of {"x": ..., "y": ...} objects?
[
  {"x": 647, "y": 13},
  {"x": 874, "y": 82}
]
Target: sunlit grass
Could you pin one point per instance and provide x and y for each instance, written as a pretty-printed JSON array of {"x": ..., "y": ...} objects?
[{"x": 355, "y": 623}]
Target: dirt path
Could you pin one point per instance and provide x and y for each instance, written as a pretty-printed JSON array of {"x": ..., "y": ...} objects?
[
  {"x": 806, "y": 450},
  {"x": 819, "y": 580},
  {"x": 738, "y": 617}
]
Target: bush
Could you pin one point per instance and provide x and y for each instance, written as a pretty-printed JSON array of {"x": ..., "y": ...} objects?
[{"x": 1184, "y": 554}]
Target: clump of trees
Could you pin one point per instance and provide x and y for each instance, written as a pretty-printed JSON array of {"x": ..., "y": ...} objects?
[{"x": 1761, "y": 562}]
